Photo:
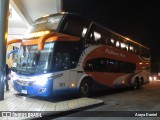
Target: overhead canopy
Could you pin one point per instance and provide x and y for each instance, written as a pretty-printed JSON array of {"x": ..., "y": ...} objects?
[
  {"x": 24, "y": 12},
  {"x": 30, "y": 10}
]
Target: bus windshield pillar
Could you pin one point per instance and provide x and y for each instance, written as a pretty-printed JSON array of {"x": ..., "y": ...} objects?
[{"x": 4, "y": 5}]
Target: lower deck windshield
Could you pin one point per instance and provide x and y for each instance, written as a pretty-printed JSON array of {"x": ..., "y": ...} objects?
[
  {"x": 56, "y": 56},
  {"x": 31, "y": 61}
]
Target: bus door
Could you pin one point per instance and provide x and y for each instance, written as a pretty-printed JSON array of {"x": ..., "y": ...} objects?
[{"x": 62, "y": 66}]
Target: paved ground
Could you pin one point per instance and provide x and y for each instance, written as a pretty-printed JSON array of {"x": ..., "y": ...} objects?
[
  {"x": 14, "y": 102},
  {"x": 145, "y": 100}
]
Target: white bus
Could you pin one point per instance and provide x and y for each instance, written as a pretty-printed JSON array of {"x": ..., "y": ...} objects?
[{"x": 66, "y": 54}]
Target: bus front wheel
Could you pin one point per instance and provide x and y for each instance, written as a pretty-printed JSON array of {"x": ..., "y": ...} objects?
[{"x": 85, "y": 89}]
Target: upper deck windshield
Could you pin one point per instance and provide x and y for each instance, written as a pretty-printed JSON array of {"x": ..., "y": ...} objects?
[
  {"x": 47, "y": 23},
  {"x": 31, "y": 61}
]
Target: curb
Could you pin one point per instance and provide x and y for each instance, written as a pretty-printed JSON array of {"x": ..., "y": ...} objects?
[{"x": 57, "y": 114}]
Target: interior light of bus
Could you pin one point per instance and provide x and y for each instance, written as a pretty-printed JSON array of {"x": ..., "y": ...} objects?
[
  {"x": 123, "y": 82},
  {"x": 117, "y": 44},
  {"x": 123, "y": 45},
  {"x": 131, "y": 48},
  {"x": 140, "y": 63},
  {"x": 84, "y": 32},
  {"x": 112, "y": 41},
  {"x": 97, "y": 36},
  {"x": 36, "y": 34}
]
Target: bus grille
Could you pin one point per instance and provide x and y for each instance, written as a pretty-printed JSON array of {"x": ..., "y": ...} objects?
[{"x": 25, "y": 83}]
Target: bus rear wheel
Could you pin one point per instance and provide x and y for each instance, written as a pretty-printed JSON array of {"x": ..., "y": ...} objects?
[
  {"x": 85, "y": 89},
  {"x": 140, "y": 83},
  {"x": 135, "y": 85}
]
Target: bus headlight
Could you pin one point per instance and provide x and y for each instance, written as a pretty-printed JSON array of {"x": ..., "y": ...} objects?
[
  {"x": 150, "y": 78},
  {"x": 41, "y": 81},
  {"x": 154, "y": 78}
]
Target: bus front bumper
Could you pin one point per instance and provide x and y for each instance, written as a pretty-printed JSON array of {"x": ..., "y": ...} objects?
[{"x": 37, "y": 90}]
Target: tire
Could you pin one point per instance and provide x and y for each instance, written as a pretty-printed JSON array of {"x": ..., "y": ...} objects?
[
  {"x": 135, "y": 85},
  {"x": 85, "y": 89},
  {"x": 140, "y": 84}
]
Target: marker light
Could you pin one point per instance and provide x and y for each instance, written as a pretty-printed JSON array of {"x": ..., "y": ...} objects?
[
  {"x": 36, "y": 34},
  {"x": 72, "y": 85}
]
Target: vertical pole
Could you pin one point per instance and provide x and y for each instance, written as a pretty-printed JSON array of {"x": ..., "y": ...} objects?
[
  {"x": 4, "y": 6},
  {"x": 59, "y": 5}
]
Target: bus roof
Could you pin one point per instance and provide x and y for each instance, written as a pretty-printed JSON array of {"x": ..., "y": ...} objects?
[
  {"x": 73, "y": 14},
  {"x": 61, "y": 13}
]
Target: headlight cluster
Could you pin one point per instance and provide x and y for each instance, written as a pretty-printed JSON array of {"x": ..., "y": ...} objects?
[
  {"x": 153, "y": 78},
  {"x": 40, "y": 80}
]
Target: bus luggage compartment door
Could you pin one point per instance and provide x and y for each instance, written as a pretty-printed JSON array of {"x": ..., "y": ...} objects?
[{"x": 73, "y": 81}]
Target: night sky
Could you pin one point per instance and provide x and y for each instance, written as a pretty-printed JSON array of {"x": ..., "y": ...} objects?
[{"x": 135, "y": 19}]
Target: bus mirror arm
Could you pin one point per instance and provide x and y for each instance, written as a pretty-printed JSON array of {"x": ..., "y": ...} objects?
[{"x": 44, "y": 38}]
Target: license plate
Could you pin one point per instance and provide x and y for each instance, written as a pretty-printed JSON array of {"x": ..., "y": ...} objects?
[{"x": 24, "y": 91}]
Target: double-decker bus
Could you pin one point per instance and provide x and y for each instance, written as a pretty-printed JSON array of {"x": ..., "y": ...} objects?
[{"x": 67, "y": 54}]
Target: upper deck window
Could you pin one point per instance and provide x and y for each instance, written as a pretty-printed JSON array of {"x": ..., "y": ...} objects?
[{"x": 75, "y": 26}]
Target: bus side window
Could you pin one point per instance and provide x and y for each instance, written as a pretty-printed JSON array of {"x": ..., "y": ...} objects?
[
  {"x": 131, "y": 49},
  {"x": 84, "y": 31},
  {"x": 58, "y": 60},
  {"x": 62, "y": 61},
  {"x": 88, "y": 66},
  {"x": 129, "y": 67},
  {"x": 97, "y": 64},
  {"x": 66, "y": 61},
  {"x": 112, "y": 65},
  {"x": 74, "y": 27},
  {"x": 97, "y": 37},
  {"x": 117, "y": 44}
]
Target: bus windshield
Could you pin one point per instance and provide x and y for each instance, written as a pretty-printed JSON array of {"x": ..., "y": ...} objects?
[
  {"x": 47, "y": 23},
  {"x": 31, "y": 61}
]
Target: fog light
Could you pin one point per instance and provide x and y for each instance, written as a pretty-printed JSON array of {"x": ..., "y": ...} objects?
[
  {"x": 155, "y": 78},
  {"x": 72, "y": 85}
]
